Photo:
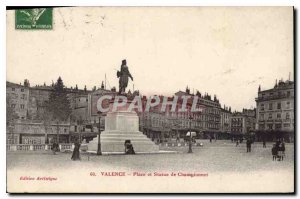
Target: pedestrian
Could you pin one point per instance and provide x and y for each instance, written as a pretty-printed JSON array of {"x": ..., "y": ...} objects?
[
  {"x": 283, "y": 149},
  {"x": 248, "y": 143},
  {"x": 237, "y": 142},
  {"x": 55, "y": 147},
  {"x": 241, "y": 140},
  {"x": 274, "y": 152},
  {"x": 264, "y": 143},
  {"x": 76, "y": 153},
  {"x": 129, "y": 147},
  {"x": 177, "y": 139}
]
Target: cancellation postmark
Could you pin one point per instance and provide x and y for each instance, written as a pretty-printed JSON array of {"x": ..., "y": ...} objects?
[{"x": 34, "y": 19}]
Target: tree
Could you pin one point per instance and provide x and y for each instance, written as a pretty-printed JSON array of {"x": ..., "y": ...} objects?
[
  {"x": 58, "y": 107},
  {"x": 80, "y": 123}
]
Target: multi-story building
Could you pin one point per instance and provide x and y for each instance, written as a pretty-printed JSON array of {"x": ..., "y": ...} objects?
[
  {"x": 243, "y": 122},
  {"x": 38, "y": 95},
  {"x": 209, "y": 119},
  {"x": 79, "y": 105},
  {"x": 275, "y": 109},
  {"x": 28, "y": 104},
  {"x": 18, "y": 99},
  {"x": 225, "y": 119},
  {"x": 36, "y": 132},
  {"x": 163, "y": 125}
]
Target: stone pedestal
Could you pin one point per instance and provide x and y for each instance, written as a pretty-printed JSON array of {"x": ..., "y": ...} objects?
[{"x": 121, "y": 126}]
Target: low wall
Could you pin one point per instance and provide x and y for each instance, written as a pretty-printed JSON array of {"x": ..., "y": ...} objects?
[{"x": 37, "y": 147}]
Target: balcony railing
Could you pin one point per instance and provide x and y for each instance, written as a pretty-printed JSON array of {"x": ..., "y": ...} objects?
[{"x": 263, "y": 98}]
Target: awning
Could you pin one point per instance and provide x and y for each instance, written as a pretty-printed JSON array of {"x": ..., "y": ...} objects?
[{"x": 189, "y": 134}]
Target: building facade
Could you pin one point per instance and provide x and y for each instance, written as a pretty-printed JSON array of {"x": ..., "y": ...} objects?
[
  {"x": 17, "y": 96},
  {"x": 243, "y": 122},
  {"x": 225, "y": 119},
  {"x": 275, "y": 108},
  {"x": 166, "y": 125},
  {"x": 36, "y": 132},
  {"x": 28, "y": 104}
]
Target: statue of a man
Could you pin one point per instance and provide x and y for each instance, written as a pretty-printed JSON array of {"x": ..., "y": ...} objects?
[{"x": 123, "y": 75}]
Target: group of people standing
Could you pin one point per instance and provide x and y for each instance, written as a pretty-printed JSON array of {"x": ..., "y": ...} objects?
[
  {"x": 278, "y": 150},
  {"x": 75, "y": 154},
  {"x": 249, "y": 142},
  {"x": 76, "y": 151}
]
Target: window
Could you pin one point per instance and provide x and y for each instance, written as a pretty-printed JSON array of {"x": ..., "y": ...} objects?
[
  {"x": 261, "y": 126},
  {"x": 278, "y": 115},
  {"x": 277, "y": 126},
  {"x": 13, "y": 89},
  {"x": 261, "y": 116},
  {"x": 279, "y": 105},
  {"x": 287, "y": 116},
  {"x": 13, "y": 105},
  {"x": 65, "y": 130},
  {"x": 288, "y": 105},
  {"x": 23, "y": 96},
  {"x": 270, "y": 106},
  {"x": 86, "y": 100},
  {"x": 270, "y": 115},
  {"x": 286, "y": 125},
  {"x": 22, "y": 89},
  {"x": 289, "y": 93},
  {"x": 262, "y": 107},
  {"x": 270, "y": 126},
  {"x": 22, "y": 106}
]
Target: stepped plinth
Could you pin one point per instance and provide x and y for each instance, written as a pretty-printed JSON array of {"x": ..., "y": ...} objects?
[{"x": 122, "y": 125}]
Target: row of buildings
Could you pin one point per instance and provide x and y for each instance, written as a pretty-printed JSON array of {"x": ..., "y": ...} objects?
[{"x": 274, "y": 112}]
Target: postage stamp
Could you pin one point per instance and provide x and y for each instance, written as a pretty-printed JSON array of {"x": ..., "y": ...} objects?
[{"x": 36, "y": 18}]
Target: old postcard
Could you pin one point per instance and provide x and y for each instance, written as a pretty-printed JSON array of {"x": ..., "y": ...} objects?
[{"x": 150, "y": 100}]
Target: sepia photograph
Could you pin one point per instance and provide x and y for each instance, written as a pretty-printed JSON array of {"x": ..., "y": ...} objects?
[{"x": 150, "y": 99}]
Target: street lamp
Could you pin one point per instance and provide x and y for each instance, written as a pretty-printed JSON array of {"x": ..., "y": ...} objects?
[
  {"x": 190, "y": 141},
  {"x": 99, "y": 133}
]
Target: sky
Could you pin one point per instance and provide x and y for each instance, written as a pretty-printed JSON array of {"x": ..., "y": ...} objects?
[{"x": 223, "y": 51}]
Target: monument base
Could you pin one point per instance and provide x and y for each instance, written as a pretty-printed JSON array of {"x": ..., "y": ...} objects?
[
  {"x": 121, "y": 126},
  {"x": 114, "y": 142}
]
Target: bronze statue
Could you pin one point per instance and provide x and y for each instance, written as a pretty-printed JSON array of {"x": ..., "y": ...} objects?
[{"x": 123, "y": 75}]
